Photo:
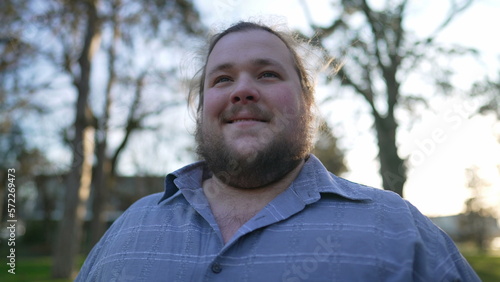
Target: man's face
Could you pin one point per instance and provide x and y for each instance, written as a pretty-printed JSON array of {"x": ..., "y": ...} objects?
[{"x": 254, "y": 123}]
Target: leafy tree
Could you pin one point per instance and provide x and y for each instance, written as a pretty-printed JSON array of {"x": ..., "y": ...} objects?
[
  {"x": 488, "y": 91},
  {"x": 380, "y": 54},
  {"x": 479, "y": 222},
  {"x": 327, "y": 150}
]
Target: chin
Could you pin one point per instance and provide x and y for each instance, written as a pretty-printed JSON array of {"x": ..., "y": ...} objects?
[{"x": 247, "y": 150}]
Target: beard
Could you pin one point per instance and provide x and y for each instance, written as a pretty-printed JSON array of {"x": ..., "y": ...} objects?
[{"x": 285, "y": 148}]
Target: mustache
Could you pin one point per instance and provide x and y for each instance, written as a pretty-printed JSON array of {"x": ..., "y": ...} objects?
[{"x": 251, "y": 109}]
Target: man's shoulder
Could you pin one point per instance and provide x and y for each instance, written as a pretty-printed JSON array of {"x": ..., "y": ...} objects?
[
  {"x": 317, "y": 176},
  {"x": 369, "y": 191},
  {"x": 146, "y": 207},
  {"x": 360, "y": 193},
  {"x": 148, "y": 201}
]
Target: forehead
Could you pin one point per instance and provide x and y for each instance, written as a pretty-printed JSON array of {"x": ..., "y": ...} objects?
[{"x": 249, "y": 45}]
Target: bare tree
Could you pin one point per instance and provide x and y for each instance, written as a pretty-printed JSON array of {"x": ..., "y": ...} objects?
[
  {"x": 80, "y": 175},
  {"x": 73, "y": 33},
  {"x": 29, "y": 17},
  {"x": 128, "y": 26},
  {"x": 380, "y": 53},
  {"x": 125, "y": 41},
  {"x": 16, "y": 99}
]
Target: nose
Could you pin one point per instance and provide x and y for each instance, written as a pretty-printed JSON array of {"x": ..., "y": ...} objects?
[{"x": 244, "y": 91}]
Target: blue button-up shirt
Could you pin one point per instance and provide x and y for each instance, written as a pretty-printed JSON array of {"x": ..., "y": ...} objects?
[{"x": 322, "y": 228}]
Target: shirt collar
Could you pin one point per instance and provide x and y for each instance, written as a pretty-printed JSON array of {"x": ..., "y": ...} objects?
[
  {"x": 189, "y": 177},
  {"x": 313, "y": 180}
]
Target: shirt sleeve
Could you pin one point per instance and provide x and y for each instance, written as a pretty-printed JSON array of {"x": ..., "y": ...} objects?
[
  {"x": 83, "y": 274},
  {"x": 103, "y": 262},
  {"x": 436, "y": 256},
  {"x": 91, "y": 261}
]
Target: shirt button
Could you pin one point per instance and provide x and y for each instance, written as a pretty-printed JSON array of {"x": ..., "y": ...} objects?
[{"x": 216, "y": 267}]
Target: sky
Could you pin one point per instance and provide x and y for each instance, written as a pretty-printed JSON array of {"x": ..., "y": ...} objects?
[
  {"x": 445, "y": 140},
  {"x": 440, "y": 144}
]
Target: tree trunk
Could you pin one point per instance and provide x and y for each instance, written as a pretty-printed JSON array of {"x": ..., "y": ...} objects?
[
  {"x": 392, "y": 167},
  {"x": 77, "y": 192},
  {"x": 100, "y": 195},
  {"x": 104, "y": 177},
  {"x": 80, "y": 175}
]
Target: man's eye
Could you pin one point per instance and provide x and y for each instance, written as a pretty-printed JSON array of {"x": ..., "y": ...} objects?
[
  {"x": 268, "y": 74},
  {"x": 221, "y": 79}
]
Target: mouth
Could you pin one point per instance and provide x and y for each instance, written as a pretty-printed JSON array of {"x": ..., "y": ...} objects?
[
  {"x": 245, "y": 120},
  {"x": 248, "y": 114}
]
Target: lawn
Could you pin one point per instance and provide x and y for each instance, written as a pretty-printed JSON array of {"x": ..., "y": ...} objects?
[
  {"x": 39, "y": 268},
  {"x": 487, "y": 267},
  {"x": 30, "y": 269}
]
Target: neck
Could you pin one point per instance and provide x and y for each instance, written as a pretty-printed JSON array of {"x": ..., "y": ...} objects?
[
  {"x": 233, "y": 206},
  {"x": 217, "y": 190}
]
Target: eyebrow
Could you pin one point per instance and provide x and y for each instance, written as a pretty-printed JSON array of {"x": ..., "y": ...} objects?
[
  {"x": 221, "y": 67},
  {"x": 260, "y": 62},
  {"x": 267, "y": 62}
]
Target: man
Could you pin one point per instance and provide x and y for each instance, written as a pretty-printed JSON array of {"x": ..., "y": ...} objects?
[{"x": 260, "y": 207}]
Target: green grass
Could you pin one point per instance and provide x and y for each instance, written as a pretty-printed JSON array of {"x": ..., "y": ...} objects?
[
  {"x": 30, "y": 269},
  {"x": 39, "y": 269},
  {"x": 487, "y": 267}
]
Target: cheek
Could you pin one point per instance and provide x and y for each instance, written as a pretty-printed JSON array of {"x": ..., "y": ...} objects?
[
  {"x": 288, "y": 100},
  {"x": 213, "y": 104}
]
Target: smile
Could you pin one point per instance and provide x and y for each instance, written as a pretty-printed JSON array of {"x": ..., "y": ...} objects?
[{"x": 243, "y": 120}]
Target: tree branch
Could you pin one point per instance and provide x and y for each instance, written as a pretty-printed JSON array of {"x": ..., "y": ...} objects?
[
  {"x": 366, "y": 93},
  {"x": 133, "y": 122},
  {"x": 455, "y": 10}
]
